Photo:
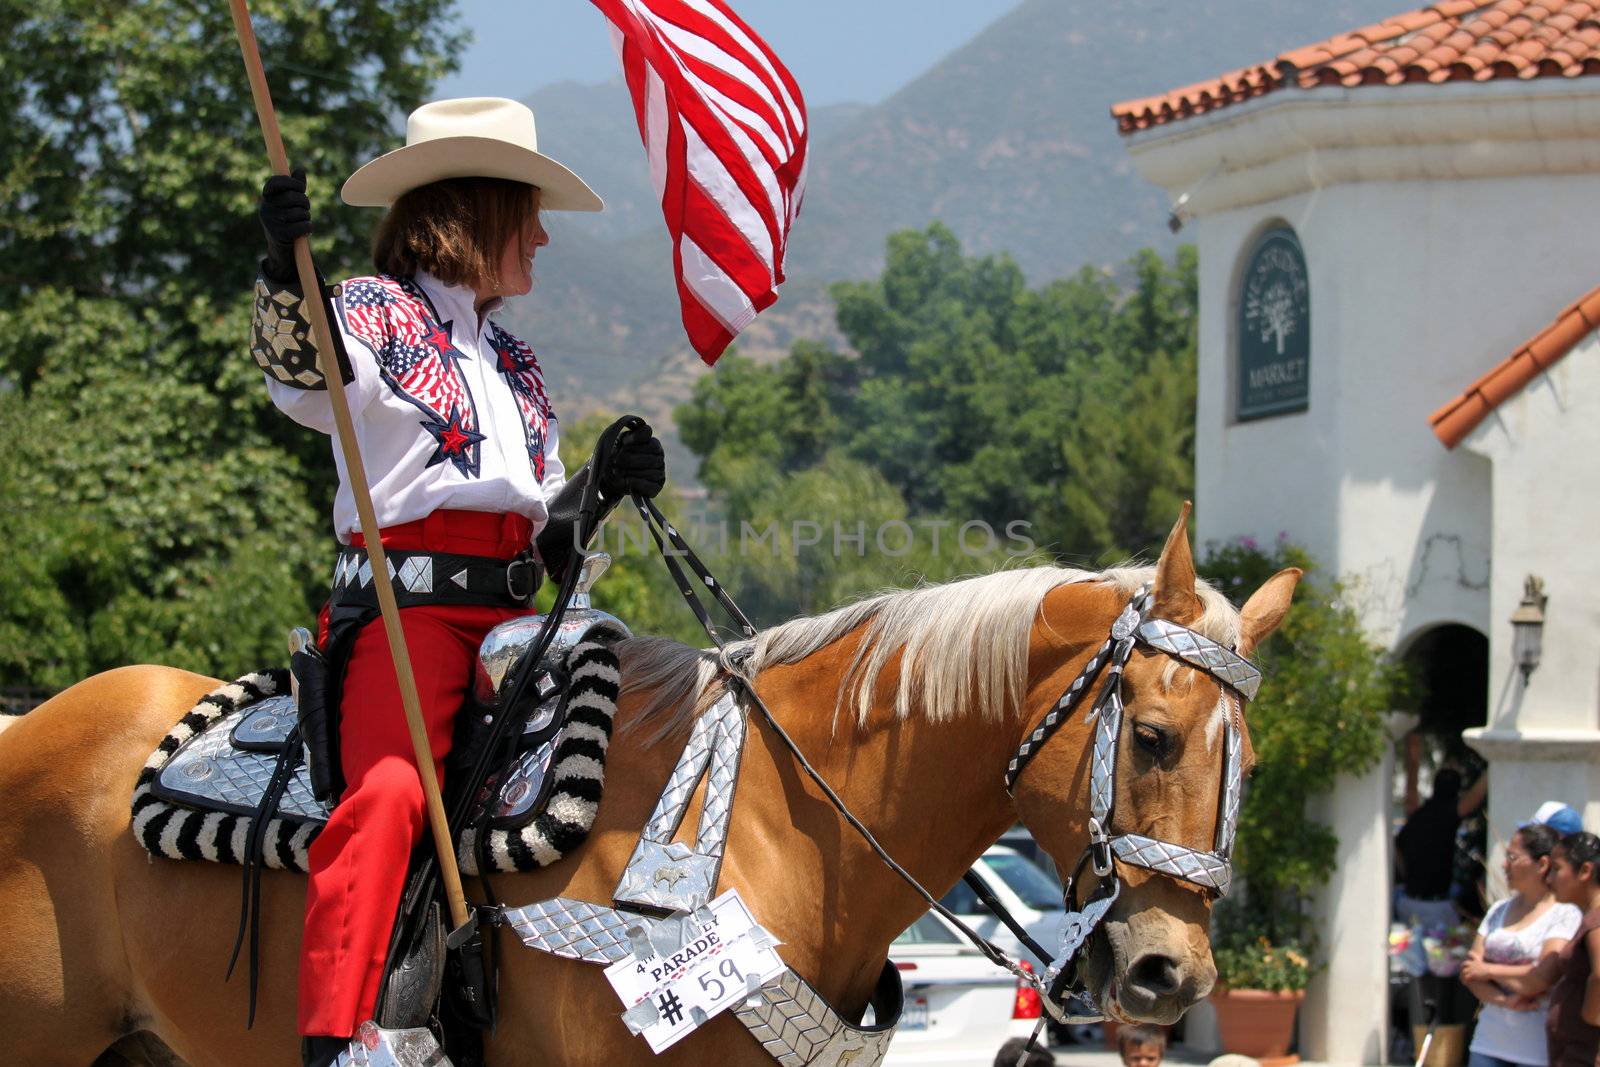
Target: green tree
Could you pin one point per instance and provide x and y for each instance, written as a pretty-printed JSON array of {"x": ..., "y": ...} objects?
[
  {"x": 977, "y": 398},
  {"x": 166, "y": 511}
]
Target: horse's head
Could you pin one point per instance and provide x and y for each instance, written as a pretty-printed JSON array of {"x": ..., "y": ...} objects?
[{"x": 1171, "y": 725}]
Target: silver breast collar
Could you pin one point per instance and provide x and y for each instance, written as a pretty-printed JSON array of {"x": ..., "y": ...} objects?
[
  {"x": 1212, "y": 869},
  {"x": 666, "y": 884}
]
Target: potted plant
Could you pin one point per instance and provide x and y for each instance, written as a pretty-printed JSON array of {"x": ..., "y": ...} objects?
[{"x": 1260, "y": 983}]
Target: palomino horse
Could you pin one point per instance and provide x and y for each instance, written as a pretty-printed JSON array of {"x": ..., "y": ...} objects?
[{"x": 102, "y": 945}]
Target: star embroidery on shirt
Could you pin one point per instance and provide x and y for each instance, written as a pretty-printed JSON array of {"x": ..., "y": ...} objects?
[
  {"x": 454, "y": 442},
  {"x": 439, "y": 339}
]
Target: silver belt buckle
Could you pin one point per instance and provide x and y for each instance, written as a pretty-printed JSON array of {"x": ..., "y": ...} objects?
[{"x": 511, "y": 583}]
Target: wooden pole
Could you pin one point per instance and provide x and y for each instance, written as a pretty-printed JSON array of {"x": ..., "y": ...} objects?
[{"x": 357, "y": 473}]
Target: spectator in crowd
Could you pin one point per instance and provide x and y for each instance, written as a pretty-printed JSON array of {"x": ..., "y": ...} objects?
[
  {"x": 1572, "y": 1023},
  {"x": 1426, "y": 848},
  {"x": 1562, "y": 818},
  {"x": 1141, "y": 1045},
  {"x": 1018, "y": 1052},
  {"x": 1519, "y": 931}
]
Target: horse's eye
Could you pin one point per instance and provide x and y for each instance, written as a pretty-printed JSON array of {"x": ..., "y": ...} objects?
[{"x": 1152, "y": 739}]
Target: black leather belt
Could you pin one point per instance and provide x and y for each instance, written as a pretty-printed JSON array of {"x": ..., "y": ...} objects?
[{"x": 438, "y": 578}]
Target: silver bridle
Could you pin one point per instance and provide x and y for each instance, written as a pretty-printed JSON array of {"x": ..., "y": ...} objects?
[{"x": 1211, "y": 870}]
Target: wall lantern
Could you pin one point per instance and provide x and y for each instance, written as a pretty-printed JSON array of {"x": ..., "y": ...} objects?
[{"x": 1527, "y": 627}]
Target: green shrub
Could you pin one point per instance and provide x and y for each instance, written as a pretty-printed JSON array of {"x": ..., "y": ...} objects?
[{"x": 1319, "y": 715}]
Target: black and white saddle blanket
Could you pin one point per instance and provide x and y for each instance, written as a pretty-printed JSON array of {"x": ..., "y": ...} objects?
[{"x": 198, "y": 794}]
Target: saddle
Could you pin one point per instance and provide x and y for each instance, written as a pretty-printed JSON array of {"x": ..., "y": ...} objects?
[{"x": 201, "y": 792}]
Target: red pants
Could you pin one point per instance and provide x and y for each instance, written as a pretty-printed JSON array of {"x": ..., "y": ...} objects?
[{"x": 358, "y": 862}]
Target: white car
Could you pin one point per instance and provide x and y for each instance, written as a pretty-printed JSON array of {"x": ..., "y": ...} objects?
[
  {"x": 960, "y": 1008},
  {"x": 1026, "y": 890}
]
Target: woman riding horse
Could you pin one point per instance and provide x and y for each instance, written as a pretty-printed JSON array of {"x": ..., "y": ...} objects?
[
  {"x": 460, "y": 446},
  {"x": 108, "y": 953}
]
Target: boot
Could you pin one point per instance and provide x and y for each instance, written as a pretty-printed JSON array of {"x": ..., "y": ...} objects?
[{"x": 374, "y": 1046}]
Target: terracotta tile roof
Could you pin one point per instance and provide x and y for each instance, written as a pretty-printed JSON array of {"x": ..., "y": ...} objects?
[
  {"x": 1460, "y": 416},
  {"x": 1454, "y": 40}
]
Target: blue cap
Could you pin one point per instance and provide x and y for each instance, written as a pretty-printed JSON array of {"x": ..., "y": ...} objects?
[{"x": 1562, "y": 818}]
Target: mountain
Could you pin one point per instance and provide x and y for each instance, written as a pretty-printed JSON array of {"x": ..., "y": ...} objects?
[{"x": 1008, "y": 140}]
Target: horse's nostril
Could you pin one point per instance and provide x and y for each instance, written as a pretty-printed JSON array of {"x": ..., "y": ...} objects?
[{"x": 1156, "y": 975}]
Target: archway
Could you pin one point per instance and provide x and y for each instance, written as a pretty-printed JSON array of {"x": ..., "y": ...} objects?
[{"x": 1442, "y": 858}]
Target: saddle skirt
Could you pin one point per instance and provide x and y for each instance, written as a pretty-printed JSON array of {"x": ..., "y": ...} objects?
[{"x": 199, "y": 793}]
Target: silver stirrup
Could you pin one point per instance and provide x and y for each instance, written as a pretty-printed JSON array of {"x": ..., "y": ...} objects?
[{"x": 373, "y": 1046}]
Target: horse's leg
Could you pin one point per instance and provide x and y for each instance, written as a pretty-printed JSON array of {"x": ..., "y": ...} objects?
[{"x": 66, "y": 778}]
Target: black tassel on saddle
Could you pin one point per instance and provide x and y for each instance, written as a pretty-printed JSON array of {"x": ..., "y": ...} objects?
[{"x": 250, "y": 907}]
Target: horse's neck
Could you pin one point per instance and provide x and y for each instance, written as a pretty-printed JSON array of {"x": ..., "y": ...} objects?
[{"x": 931, "y": 793}]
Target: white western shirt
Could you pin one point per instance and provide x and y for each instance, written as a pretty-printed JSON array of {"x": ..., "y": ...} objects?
[{"x": 449, "y": 410}]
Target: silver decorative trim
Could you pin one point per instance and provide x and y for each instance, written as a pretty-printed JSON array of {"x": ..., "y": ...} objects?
[
  {"x": 686, "y": 774},
  {"x": 799, "y": 1028},
  {"x": 1103, "y": 765},
  {"x": 524, "y": 782},
  {"x": 214, "y": 773},
  {"x": 267, "y": 722},
  {"x": 671, "y": 876},
  {"x": 416, "y": 574},
  {"x": 373, "y": 1046},
  {"x": 1076, "y": 926},
  {"x": 1197, "y": 650},
  {"x": 575, "y": 929},
  {"x": 1201, "y": 868},
  {"x": 504, "y": 645},
  {"x": 1232, "y": 776}
]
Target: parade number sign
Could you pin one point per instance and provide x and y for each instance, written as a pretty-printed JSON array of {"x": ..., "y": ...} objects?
[
  {"x": 1274, "y": 329},
  {"x": 719, "y": 963}
]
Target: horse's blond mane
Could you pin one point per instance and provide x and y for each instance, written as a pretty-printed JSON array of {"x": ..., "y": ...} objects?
[{"x": 964, "y": 642}]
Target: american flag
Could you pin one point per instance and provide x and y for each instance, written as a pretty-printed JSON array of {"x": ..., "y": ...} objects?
[
  {"x": 391, "y": 317},
  {"x": 724, "y": 125}
]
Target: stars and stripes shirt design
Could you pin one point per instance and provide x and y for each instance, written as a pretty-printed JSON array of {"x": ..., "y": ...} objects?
[
  {"x": 416, "y": 358},
  {"x": 520, "y": 367}
]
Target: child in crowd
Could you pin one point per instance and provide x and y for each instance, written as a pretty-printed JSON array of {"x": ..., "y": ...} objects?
[
  {"x": 1016, "y": 1053},
  {"x": 1142, "y": 1045}
]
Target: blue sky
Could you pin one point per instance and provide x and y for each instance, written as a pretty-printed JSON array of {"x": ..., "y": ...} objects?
[{"x": 839, "y": 50}]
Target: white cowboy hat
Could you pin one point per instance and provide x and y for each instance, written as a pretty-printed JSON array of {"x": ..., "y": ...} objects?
[{"x": 472, "y": 137}]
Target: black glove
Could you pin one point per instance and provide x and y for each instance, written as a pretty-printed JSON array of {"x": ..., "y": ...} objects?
[
  {"x": 285, "y": 215},
  {"x": 637, "y": 465}
]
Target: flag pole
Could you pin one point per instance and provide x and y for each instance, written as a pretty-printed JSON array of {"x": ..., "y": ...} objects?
[{"x": 358, "y": 481}]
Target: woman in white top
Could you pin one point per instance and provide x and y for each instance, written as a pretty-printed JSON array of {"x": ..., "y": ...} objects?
[{"x": 1518, "y": 931}]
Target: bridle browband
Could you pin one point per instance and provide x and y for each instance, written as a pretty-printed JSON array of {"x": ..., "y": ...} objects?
[{"x": 1211, "y": 870}]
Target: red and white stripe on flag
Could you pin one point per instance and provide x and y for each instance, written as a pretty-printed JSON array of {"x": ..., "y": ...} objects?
[{"x": 724, "y": 125}]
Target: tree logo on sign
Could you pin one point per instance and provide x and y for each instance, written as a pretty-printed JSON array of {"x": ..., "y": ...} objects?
[{"x": 1274, "y": 328}]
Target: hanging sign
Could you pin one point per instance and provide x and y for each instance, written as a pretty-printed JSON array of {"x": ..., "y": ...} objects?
[{"x": 1274, "y": 329}]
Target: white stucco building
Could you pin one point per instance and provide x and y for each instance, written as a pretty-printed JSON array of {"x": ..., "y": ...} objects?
[{"x": 1415, "y": 396}]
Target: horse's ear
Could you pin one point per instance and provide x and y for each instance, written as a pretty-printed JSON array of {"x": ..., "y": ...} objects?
[
  {"x": 1266, "y": 608},
  {"x": 1175, "y": 597}
]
